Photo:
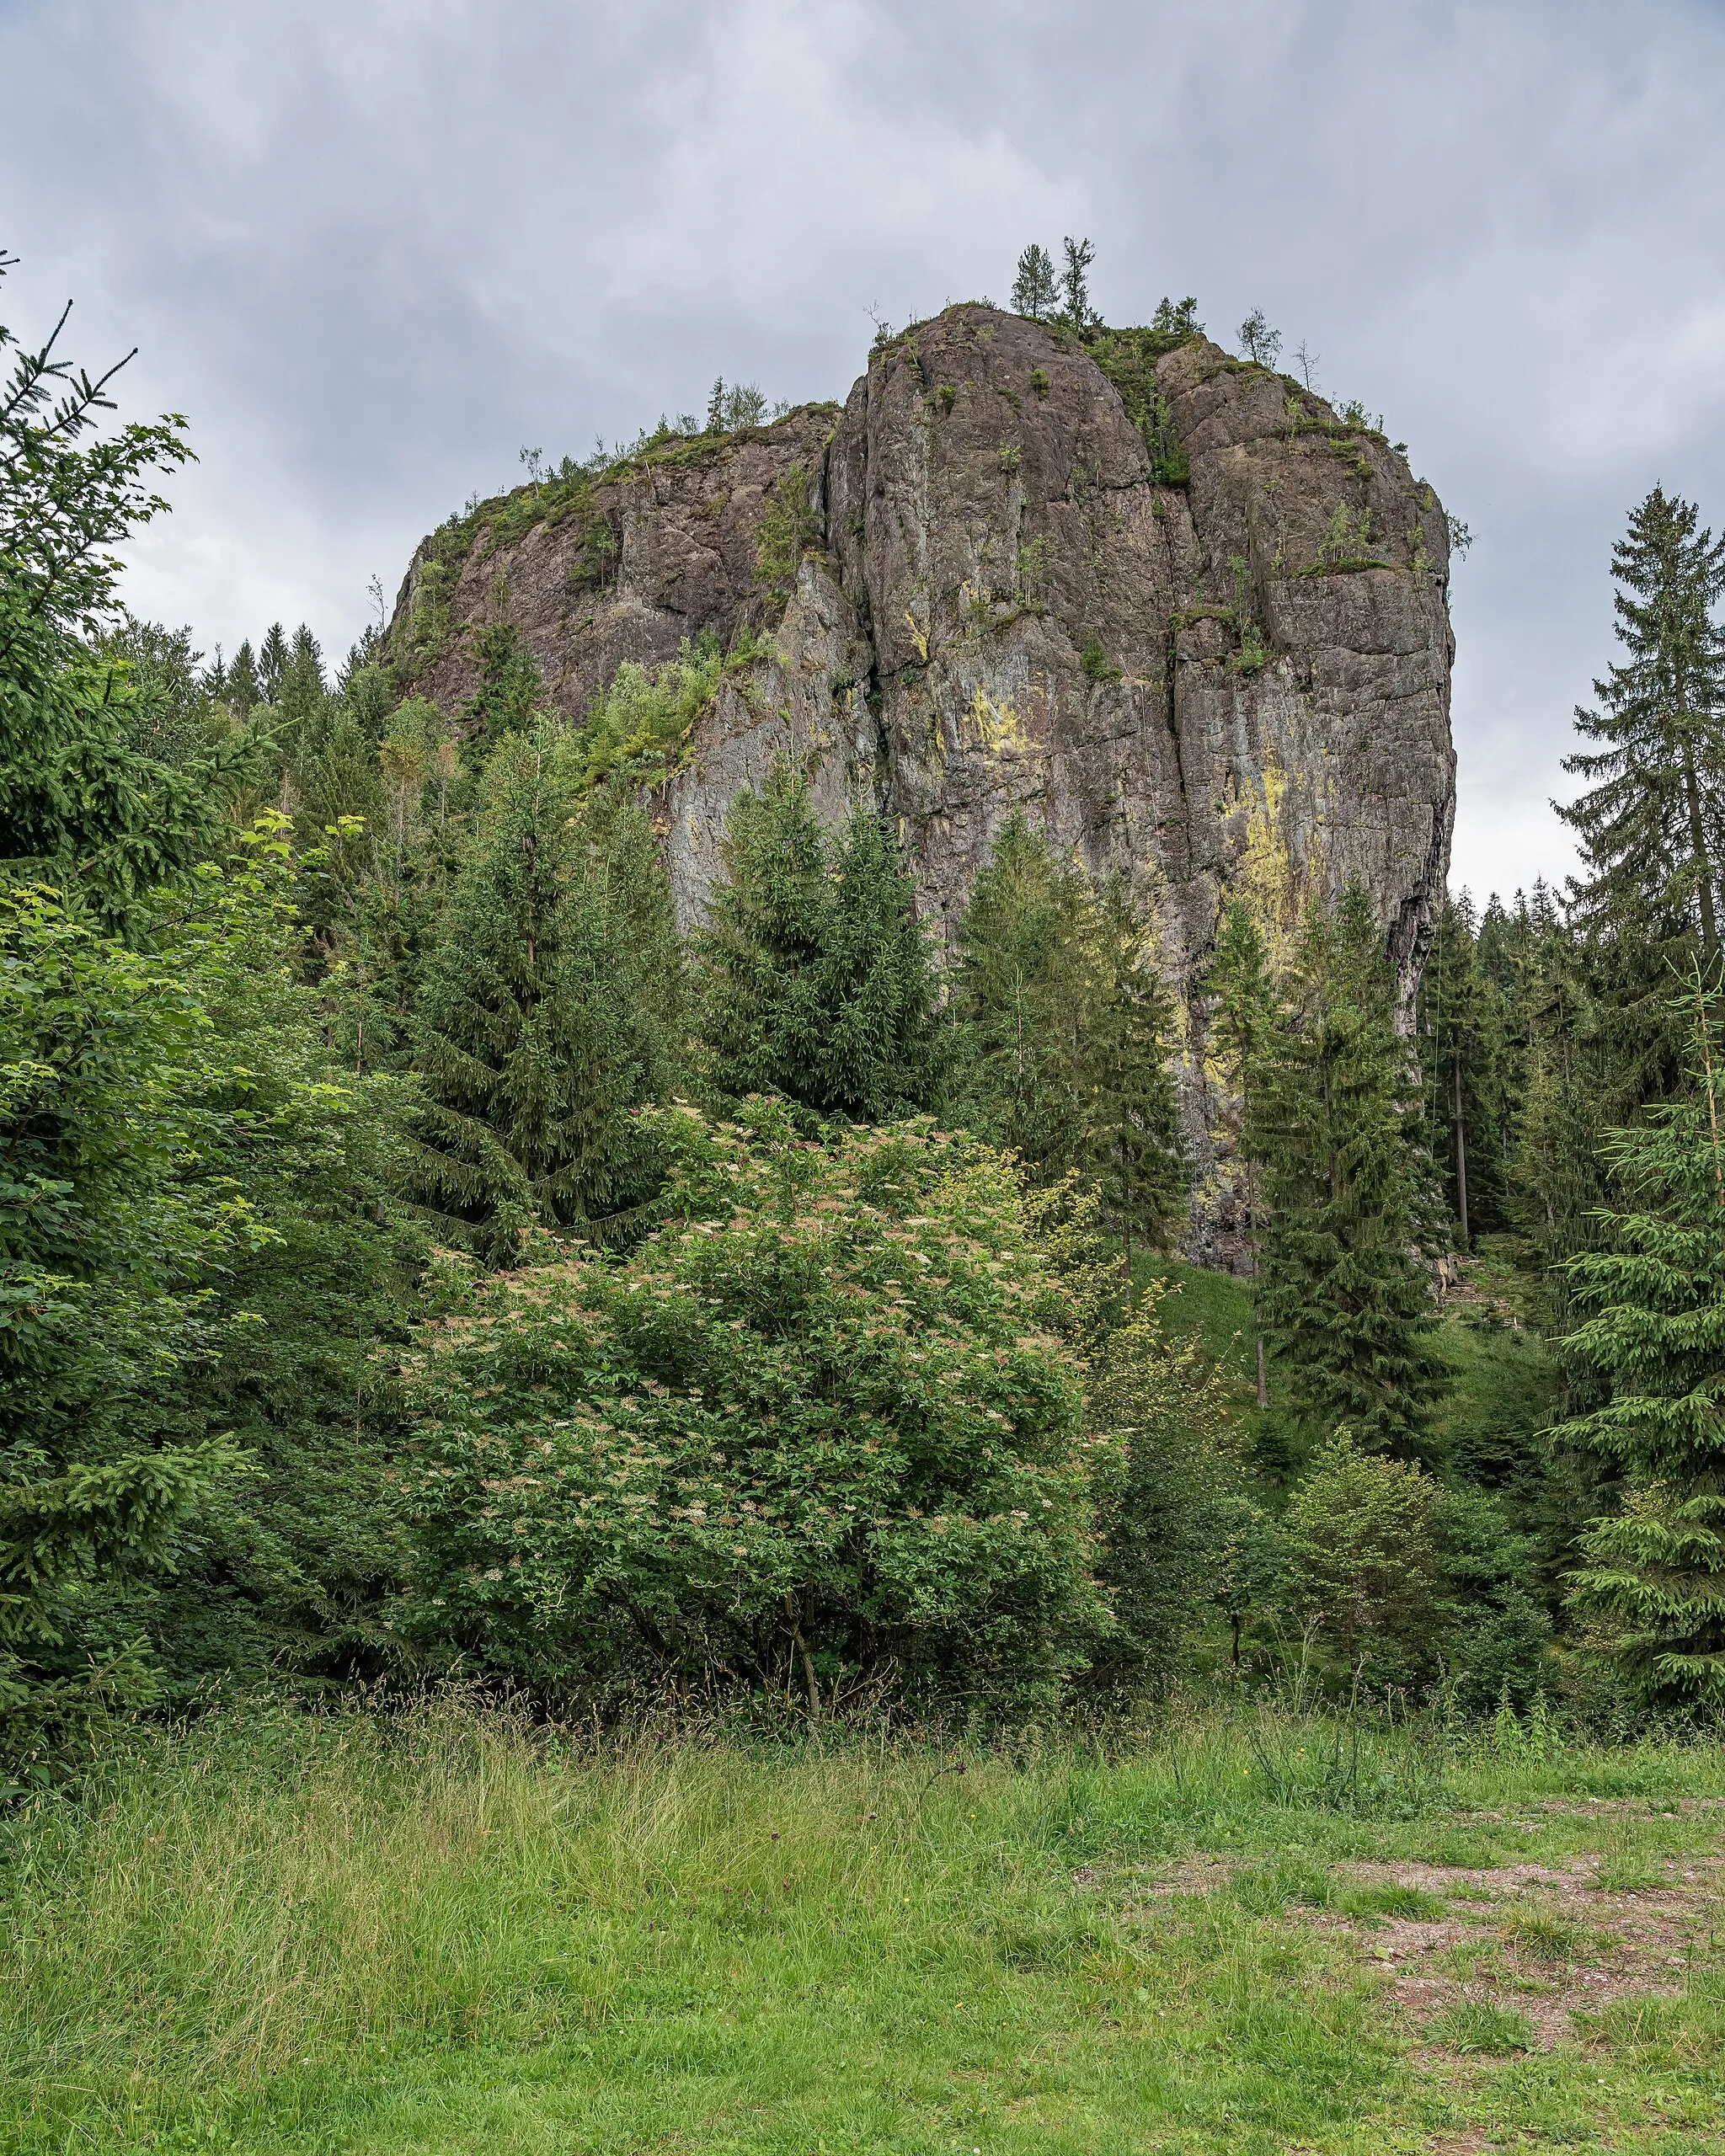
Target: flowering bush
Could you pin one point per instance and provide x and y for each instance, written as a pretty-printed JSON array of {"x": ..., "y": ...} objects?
[{"x": 821, "y": 1424}]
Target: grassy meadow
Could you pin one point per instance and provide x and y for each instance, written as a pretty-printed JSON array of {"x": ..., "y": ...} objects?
[{"x": 442, "y": 1932}]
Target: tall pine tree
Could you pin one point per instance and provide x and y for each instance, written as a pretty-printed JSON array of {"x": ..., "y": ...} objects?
[
  {"x": 1347, "y": 1292},
  {"x": 548, "y": 1012},
  {"x": 1651, "y": 823},
  {"x": 1030, "y": 977},
  {"x": 1137, "y": 1149},
  {"x": 1653, "y": 1575},
  {"x": 815, "y": 980},
  {"x": 1243, "y": 1016}
]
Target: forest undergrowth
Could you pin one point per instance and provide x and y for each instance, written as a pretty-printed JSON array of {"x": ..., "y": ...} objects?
[{"x": 1248, "y": 1929}]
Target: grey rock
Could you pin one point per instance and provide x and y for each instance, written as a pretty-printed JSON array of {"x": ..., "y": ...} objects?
[{"x": 1237, "y": 686}]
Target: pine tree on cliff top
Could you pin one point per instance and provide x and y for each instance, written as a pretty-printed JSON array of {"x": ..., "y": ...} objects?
[
  {"x": 1653, "y": 1577},
  {"x": 1347, "y": 1296}
]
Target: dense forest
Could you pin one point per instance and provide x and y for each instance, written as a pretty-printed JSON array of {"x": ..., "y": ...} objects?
[{"x": 421, "y": 1260}]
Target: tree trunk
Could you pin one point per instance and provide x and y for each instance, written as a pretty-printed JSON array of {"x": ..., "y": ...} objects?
[
  {"x": 1703, "y": 866},
  {"x": 1460, "y": 1156}
]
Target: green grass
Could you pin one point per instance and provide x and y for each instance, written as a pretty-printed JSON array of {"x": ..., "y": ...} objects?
[{"x": 345, "y": 1933}]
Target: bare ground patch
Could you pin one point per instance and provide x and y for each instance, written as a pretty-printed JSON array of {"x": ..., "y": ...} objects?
[{"x": 1546, "y": 1943}]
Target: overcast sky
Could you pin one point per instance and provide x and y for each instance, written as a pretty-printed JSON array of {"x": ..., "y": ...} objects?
[{"x": 373, "y": 247}]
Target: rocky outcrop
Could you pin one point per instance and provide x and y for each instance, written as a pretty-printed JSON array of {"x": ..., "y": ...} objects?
[{"x": 1198, "y": 630}]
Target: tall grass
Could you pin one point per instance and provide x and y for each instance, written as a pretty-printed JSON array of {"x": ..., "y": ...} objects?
[{"x": 249, "y": 1899}]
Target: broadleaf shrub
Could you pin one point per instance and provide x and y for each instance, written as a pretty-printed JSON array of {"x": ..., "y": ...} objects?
[{"x": 819, "y": 1427}]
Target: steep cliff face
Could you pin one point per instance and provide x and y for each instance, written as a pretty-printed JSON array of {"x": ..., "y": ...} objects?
[{"x": 1197, "y": 630}]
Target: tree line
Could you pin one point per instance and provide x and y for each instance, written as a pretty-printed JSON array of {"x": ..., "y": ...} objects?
[{"x": 417, "y": 1256}]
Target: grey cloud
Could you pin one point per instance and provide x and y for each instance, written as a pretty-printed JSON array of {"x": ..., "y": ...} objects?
[{"x": 371, "y": 248}]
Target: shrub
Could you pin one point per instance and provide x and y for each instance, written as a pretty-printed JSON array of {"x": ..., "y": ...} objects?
[
  {"x": 639, "y": 728},
  {"x": 817, "y": 1427},
  {"x": 1362, "y": 1546}
]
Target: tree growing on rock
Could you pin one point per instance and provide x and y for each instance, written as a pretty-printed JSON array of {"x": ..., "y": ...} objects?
[
  {"x": 1075, "y": 283},
  {"x": 1035, "y": 290}
]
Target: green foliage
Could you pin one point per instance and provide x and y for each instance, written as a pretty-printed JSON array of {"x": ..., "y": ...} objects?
[
  {"x": 1128, "y": 358},
  {"x": 1649, "y": 824},
  {"x": 813, "y": 1432},
  {"x": 1179, "y": 1531},
  {"x": 814, "y": 975},
  {"x": 1347, "y": 1296},
  {"x": 1261, "y": 343},
  {"x": 1653, "y": 1575},
  {"x": 1065, "y": 1029},
  {"x": 1075, "y": 283},
  {"x": 1461, "y": 1030},
  {"x": 130, "y": 1127},
  {"x": 549, "y": 1011},
  {"x": 1137, "y": 1149},
  {"x": 1363, "y": 1560},
  {"x": 1035, "y": 288},
  {"x": 640, "y": 730},
  {"x": 1177, "y": 318},
  {"x": 83, "y": 806},
  {"x": 509, "y": 684},
  {"x": 790, "y": 529},
  {"x": 1492, "y": 1627}
]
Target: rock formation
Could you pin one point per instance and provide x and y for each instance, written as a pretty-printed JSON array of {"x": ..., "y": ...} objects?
[{"x": 1165, "y": 600}]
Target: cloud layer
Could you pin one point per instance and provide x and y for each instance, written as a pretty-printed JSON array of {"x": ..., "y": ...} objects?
[{"x": 373, "y": 247}]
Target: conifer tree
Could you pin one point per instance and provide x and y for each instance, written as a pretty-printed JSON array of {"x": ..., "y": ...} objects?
[
  {"x": 1653, "y": 1575},
  {"x": 509, "y": 683},
  {"x": 242, "y": 688},
  {"x": 547, "y": 1014},
  {"x": 272, "y": 663},
  {"x": 1075, "y": 282},
  {"x": 815, "y": 976},
  {"x": 1461, "y": 1051},
  {"x": 1241, "y": 1022},
  {"x": 1029, "y": 980},
  {"x": 1347, "y": 1296},
  {"x": 1137, "y": 1148},
  {"x": 1652, "y": 821},
  {"x": 1065, "y": 1030},
  {"x": 1034, "y": 289}
]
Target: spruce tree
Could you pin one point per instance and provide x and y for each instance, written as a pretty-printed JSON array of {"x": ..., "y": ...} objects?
[
  {"x": 547, "y": 1014},
  {"x": 1243, "y": 1013},
  {"x": 272, "y": 663},
  {"x": 1065, "y": 1030},
  {"x": 815, "y": 980},
  {"x": 1652, "y": 825},
  {"x": 1029, "y": 980},
  {"x": 509, "y": 683},
  {"x": 1137, "y": 1149},
  {"x": 1347, "y": 1292},
  {"x": 1653, "y": 1575},
  {"x": 242, "y": 689},
  {"x": 1075, "y": 282},
  {"x": 1459, "y": 1032}
]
